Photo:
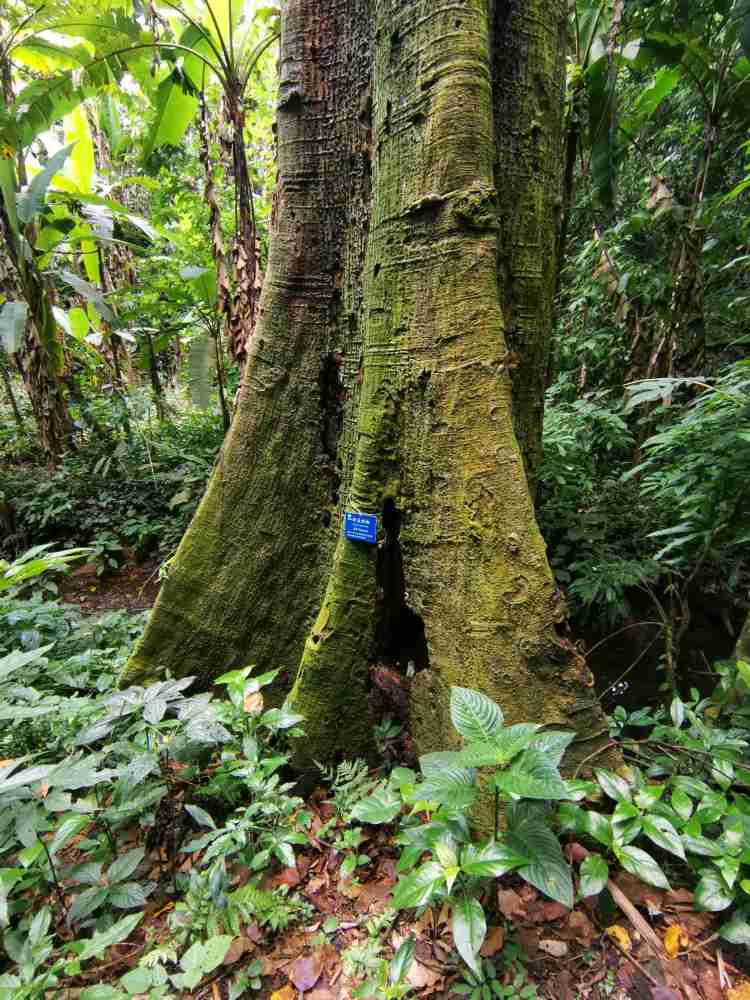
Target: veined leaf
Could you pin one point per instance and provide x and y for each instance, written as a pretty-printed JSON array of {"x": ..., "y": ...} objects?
[
  {"x": 500, "y": 748},
  {"x": 85, "y": 903},
  {"x": 666, "y": 79},
  {"x": 736, "y": 930},
  {"x": 14, "y": 661},
  {"x": 663, "y": 834},
  {"x": 712, "y": 893},
  {"x": 80, "y": 165},
  {"x": 44, "y": 56},
  {"x": 447, "y": 783},
  {"x": 418, "y": 887},
  {"x": 532, "y": 776},
  {"x": 553, "y": 745},
  {"x": 594, "y": 874},
  {"x": 90, "y": 293},
  {"x": 123, "y": 867},
  {"x": 529, "y": 831},
  {"x": 402, "y": 960},
  {"x": 95, "y": 946},
  {"x": 31, "y": 200},
  {"x": 381, "y": 807},
  {"x": 469, "y": 929},
  {"x": 614, "y": 786},
  {"x": 475, "y": 716},
  {"x": 175, "y": 110},
  {"x": 491, "y": 860},
  {"x": 639, "y": 863}
]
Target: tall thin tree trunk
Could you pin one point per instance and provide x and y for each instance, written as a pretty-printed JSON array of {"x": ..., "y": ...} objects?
[
  {"x": 378, "y": 383},
  {"x": 11, "y": 395},
  {"x": 156, "y": 386},
  {"x": 41, "y": 357},
  {"x": 242, "y": 316}
]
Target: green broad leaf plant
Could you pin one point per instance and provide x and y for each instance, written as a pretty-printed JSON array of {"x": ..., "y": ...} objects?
[
  {"x": 683, "y": 809},
  {"x": 440, "y": 861}
]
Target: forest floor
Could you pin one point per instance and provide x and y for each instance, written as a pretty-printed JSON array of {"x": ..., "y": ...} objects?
[
  {"x": 634, "y": 943},
  {"x": 650, "y": 945},
  {"x": 133, "y": 587}
]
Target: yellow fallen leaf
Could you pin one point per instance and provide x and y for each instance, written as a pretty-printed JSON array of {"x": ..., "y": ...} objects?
[
  {"x": 620, "y": 936},
  {"x": 254, "y": 703},
  {"x": 285, "y": 993},
  {"x": 675, "y": 939},
  {"x": 741, "y": 992}
]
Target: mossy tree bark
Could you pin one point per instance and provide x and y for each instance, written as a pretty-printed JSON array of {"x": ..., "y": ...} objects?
[
  {"x": 379, "y": 382},
  {"x": 249, "y": 574},
  {"x": 528, "y": 66}
]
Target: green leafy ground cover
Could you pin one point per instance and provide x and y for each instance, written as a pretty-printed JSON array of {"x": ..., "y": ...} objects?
[{"x": 151, "y": 832}]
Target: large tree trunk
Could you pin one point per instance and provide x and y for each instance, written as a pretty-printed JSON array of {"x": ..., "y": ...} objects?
[
  {"x": 528, "y": 65},
  {"x": 379, "y": 383}
]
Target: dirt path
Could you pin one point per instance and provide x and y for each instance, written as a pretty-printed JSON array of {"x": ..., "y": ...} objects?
[{"x": 132, "y": 588}]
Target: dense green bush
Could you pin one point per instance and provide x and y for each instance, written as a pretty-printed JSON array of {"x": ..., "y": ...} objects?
[{"x": 137, "y": 487}]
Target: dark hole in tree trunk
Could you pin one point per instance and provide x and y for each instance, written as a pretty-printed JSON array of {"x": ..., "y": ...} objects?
[{"x": 399, "y": 634}]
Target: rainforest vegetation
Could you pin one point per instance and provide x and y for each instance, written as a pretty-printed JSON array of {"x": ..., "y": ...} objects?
[{"x": 374, "y": 520}]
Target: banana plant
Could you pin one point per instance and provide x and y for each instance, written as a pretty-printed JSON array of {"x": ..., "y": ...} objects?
[{"x": 28, "y": 327}]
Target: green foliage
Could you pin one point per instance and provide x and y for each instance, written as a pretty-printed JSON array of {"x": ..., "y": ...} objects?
[
  {"x": 114, "y": 775},
  {"x": 696, "y": 464},
  {"x": 136, "y": 487},
  {"x": 482, "y": 983},
  {"x": 682, "y": 800},
  {"x": 440, "y": 862}
]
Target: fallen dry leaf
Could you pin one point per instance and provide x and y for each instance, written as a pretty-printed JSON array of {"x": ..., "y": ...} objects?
[
  {"x": 557, "y": 949},
  {"x": 350, "y": 888},
  {"x": 662, "y": 993},
  {"x": 420, "y": 977},
  {"x": 285, "y": 993},
  {"x": 580, "y": 927},
  {"x": 679, "y": 897},
  {"x": 322, "y": 993},
  {"x": 576, "y": 852},
  {"x": 305, "y": 972},
  {"x": 620, "y": 936},
  {"x": 543, "y": 913},
  {"x": 238, "y": 947},
  {"x": 510, "y": 904},
  {"x": 741, "y": 992},
  {"x": 528, "y": 938},
  {"x": 493, "y": 942},
  {"x": 287, "y": 876},
  {"x": 563, "y": 986},
  {"x": 675, "y": 940}
]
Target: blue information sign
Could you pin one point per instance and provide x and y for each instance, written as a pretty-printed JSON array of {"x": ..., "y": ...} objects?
[{"x": 361, "y": 527}]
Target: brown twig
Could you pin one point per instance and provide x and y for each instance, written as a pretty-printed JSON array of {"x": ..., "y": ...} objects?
[
  {"x": 645, "y": 929},
  {"x": 636, "y": 963},
  {"x": 599, "y": 750},
  {"x": 724, "y": 981}
]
